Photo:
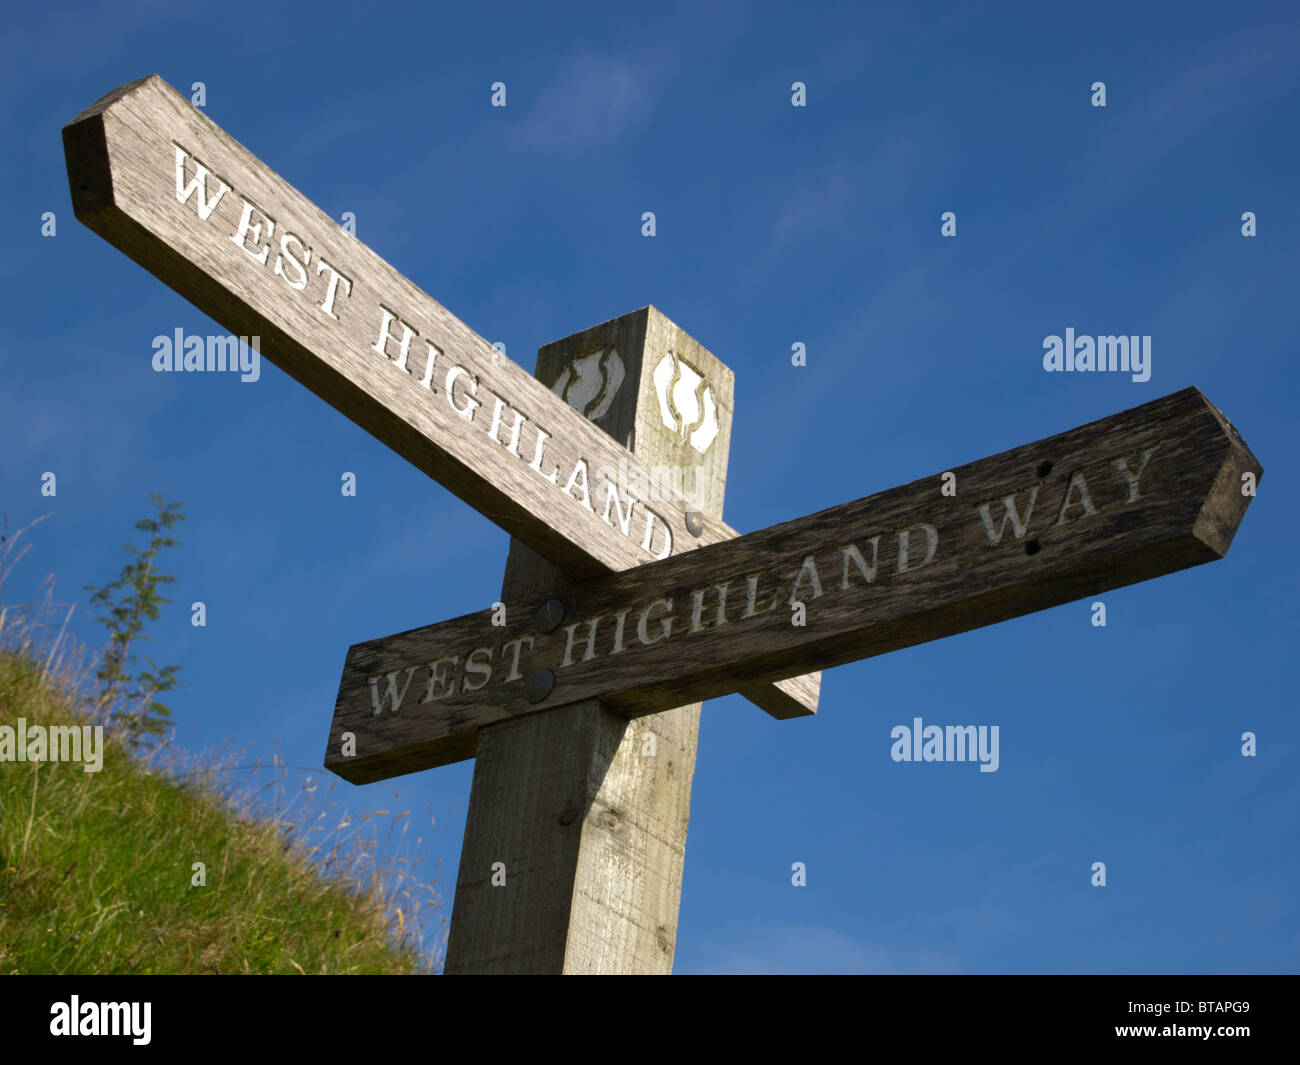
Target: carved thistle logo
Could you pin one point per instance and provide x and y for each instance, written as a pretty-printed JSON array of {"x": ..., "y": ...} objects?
[
  {"x": 686, "y": 403},
  {"x": 590, "y": 382}
]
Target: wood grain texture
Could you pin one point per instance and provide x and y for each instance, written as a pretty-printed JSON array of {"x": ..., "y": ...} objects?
[
  {"x": 1143, "y": 493},
  {"x": 590, "y": 830},
  {"x": 252, "y": 252}
]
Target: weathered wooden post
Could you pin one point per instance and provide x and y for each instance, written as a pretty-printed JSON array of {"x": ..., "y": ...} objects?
[{"x": 576, "y": 832}]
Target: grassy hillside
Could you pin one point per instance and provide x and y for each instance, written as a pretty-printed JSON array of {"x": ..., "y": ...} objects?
[{"x": 96, "y": 871}]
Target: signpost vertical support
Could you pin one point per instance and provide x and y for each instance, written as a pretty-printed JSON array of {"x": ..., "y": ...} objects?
[{"x": 576, "y": 831}]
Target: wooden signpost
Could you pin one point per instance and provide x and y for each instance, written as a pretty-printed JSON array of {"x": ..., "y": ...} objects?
[{"x": 622, "y": 601}]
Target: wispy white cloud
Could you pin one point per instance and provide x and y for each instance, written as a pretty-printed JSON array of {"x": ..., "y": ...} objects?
[
  {"x": 592, "y": 102},
  {"x": 842, "y": 194},
  {"x": 813, "y": 207}
]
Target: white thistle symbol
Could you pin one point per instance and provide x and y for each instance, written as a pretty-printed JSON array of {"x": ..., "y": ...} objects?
[
  {"x": 590, "y": 382},
  {"x": 686, "y": 404}
]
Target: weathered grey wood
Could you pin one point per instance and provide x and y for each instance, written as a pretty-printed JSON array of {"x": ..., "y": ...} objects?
[
  {"x": 1145, "y": 492},
  {"x": 247, "y": 248},
  {"x": 589, "y": 828}
]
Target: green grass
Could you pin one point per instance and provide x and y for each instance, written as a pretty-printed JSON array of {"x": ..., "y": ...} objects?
[{"x": 96, "y": 869}]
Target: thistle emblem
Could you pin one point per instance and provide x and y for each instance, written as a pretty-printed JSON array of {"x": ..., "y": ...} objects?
[
  {"x": 590, "y": 382},
  {"x": 686, "y": 403}
]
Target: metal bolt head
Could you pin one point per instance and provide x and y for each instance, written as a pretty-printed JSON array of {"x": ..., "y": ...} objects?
[
  {"x": 549, "y": 615},
  {"x": 694, "y": 522},
  {"x": 538, "y": 685}
]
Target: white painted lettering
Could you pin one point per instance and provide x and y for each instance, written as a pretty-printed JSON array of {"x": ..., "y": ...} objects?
[
  {"x": 850, "y": 552},
  {"x": 391, "y": 694},
  {"x": 807, "y": 568},
  {"x": 536, "y": 464},
  {"x": 665, "y": 623},
  {"x": 580, "y": 469},
  {"x": 619, "y": 619},
  {"x": 479, "y": 669},
  {"x": 247, "y": 228},
  {"x": 199, "y": 182},
  {"x": 612, "y": 501},
  {"x": 1130, "y": 478},
  {"x": 697, "y": 606},
  {"x": 385, "y": 335},
  {"x": 570, "y": 632},
  {"x": 430, "y": 362},
  {"x": 471, "y": 404},
  {"x": 437, "y": 677},
  {"x": 931, "y": 546},
  {"x": 300, "y": 268},
  {"x": 1018, "y": 525},
  {"x": 1084, "y": 501},
  {"x": 327, "y": 306},
  {"x": 513, "y": 446},
  {"x": 514, "y": 661}
]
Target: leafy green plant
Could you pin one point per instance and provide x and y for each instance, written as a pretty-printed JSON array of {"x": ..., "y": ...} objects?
[{"x": 127, "y": 690}]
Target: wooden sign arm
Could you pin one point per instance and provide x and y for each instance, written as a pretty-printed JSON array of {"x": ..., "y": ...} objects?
[
  {"x": 164, "y": 184},
  {"x": 1143, "y": 493}
]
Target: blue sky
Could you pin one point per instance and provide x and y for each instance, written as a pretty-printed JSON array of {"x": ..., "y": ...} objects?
[{"x": 775, "y": 224}]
